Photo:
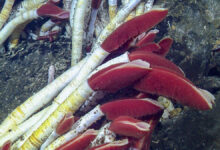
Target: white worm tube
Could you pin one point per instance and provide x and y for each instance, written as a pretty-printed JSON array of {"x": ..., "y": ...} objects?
[
  {"x": 10, "y": 27},
  {"x": 112, "y": 9},
  {"x": 78, "y": 30},
  {"x": 39, "y": 99},
  {"x": 148, "y": 6},
  {"x": 71, "y": 134},
  {"x": 49, "y": 140},
  {"x": 90, "y": 64},
  {"x": 29, "y": 5},
  {"x": 72, "y": 12},
  {"x": 46, "y": 27},
  {"x": 56, "y": 29},
  {"x": 71, "y": 104},
  {"x": 26, "y": 135},
  {"x": 120, "y": 59},
  {"x": 91, "y": 26},
  {"x": 117, "y": 20},
  {"x": 74, "y": 101},
  {"x": 72, "y": 86},
  {"x": 124, "y": 2},
  {"x": 99, "y": 54},
  {"x": 53, "y": 107},
  {"x": 22, "y": 128},
  {"x": 47, "y": 127},
  {"x": 140, "y": 9},
  {"x": 51, "y": 74},
  {"x": 67, "y": 6},
  {"x": 131, "y": 14},
  {"x": 104, "y": 136},
  {"x": 5, "y": 11},
  {"x": 14, "y": 38},
  {"x": 81, "y": 125},
  {"x": 23, "y": 7},
  {"x": 92, "y": 101}
]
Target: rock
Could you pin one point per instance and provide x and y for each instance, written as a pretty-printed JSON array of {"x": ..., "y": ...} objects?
[{"x": 194, "y": 34}]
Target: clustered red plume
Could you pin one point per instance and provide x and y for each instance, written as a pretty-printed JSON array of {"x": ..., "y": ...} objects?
[{"x": 145, "y": 71}]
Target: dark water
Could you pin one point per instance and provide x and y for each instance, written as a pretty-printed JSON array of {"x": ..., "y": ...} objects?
[{"x": 195, "y": 28}]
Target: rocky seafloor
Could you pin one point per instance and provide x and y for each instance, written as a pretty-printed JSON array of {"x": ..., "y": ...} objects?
[{"x": 195, "y": 27}]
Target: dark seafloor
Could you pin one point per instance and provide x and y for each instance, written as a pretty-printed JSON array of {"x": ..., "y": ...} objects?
[{"x": 195, "y": 27}]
